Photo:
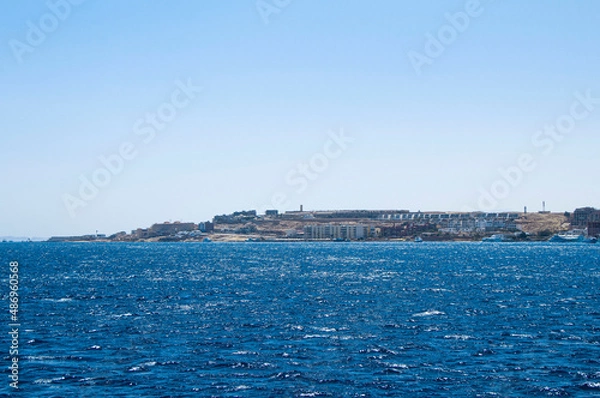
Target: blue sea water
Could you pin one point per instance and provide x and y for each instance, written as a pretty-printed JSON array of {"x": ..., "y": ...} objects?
[{"x": 305, "y": 320}]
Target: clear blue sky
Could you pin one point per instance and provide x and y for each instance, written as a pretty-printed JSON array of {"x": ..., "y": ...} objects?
[{"x": 271, "y": 95}]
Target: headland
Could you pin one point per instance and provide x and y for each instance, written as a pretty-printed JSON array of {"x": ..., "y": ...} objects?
[{"x": 362, "y": 225}]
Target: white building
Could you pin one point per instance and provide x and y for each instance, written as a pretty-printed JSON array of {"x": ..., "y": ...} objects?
[{"x": 337, "y": 231}]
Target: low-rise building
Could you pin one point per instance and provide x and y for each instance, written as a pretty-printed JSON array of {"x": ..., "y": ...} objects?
[
  {"x": 141, "y": 233},
  {"x": 206, "y": 226},
  {"x": 594, "y": 228},
  {"x": 167, "y": 228},
  {"x": 337, "y": 231},
  {"x": 236, "y": 217},
  {"x": 583, "y": 215}
]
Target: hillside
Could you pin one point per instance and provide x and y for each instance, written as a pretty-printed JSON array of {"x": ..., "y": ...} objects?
[{"x": 536, "y": 223}]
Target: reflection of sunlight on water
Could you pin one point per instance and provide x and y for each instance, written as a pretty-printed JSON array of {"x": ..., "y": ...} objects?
[{"x": 363, "y": 317}]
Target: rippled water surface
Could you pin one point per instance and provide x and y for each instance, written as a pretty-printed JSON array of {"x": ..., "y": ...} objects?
[{"x": 306, "y": 320}]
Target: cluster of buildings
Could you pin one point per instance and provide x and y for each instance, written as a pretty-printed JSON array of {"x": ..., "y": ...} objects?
[
  {"x": 339, "y": 232},
  {"x": 238, "y": 217},
  {"x": 348, "y": 225},
  {"x": 172, "y": 229},
  {"x": 341, "y": 224},
  {"x": 587, "y": 218},
  {"x": 403, "y": 224},
  {"x": 468, "y": 223}
]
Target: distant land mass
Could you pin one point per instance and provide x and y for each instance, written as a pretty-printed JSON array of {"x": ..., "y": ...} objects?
[
  {"x": 21, "y": 239},
  {"x": 367, "y": 225}
]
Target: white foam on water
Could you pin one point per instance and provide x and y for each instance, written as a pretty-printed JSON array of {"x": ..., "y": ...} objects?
[
  {"x": 429, "y": 313},
  {"x": 396, "y": 365},
  {"x": 245, "y": 353},
  {"x": 325, "y": 329},
  {"x": 61, "y": 300},
  {"x": 592, "y": 385},
  {"x": 315, "y": 336},
  {"x": 521, "y": 335},
  {"x": 458, "y": 337}
]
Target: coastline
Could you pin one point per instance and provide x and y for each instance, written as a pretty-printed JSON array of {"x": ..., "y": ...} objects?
[{"x": 362, "y": 226}]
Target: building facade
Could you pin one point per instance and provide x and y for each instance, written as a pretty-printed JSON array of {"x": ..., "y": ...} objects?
[
  {"x": 337, "y": 231},
  {"x": 582, "y": 216},
  {"x": 206, "y": 226},
  {"x": 166, "y": 229},
  {"x": 594, "y": 228}
]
